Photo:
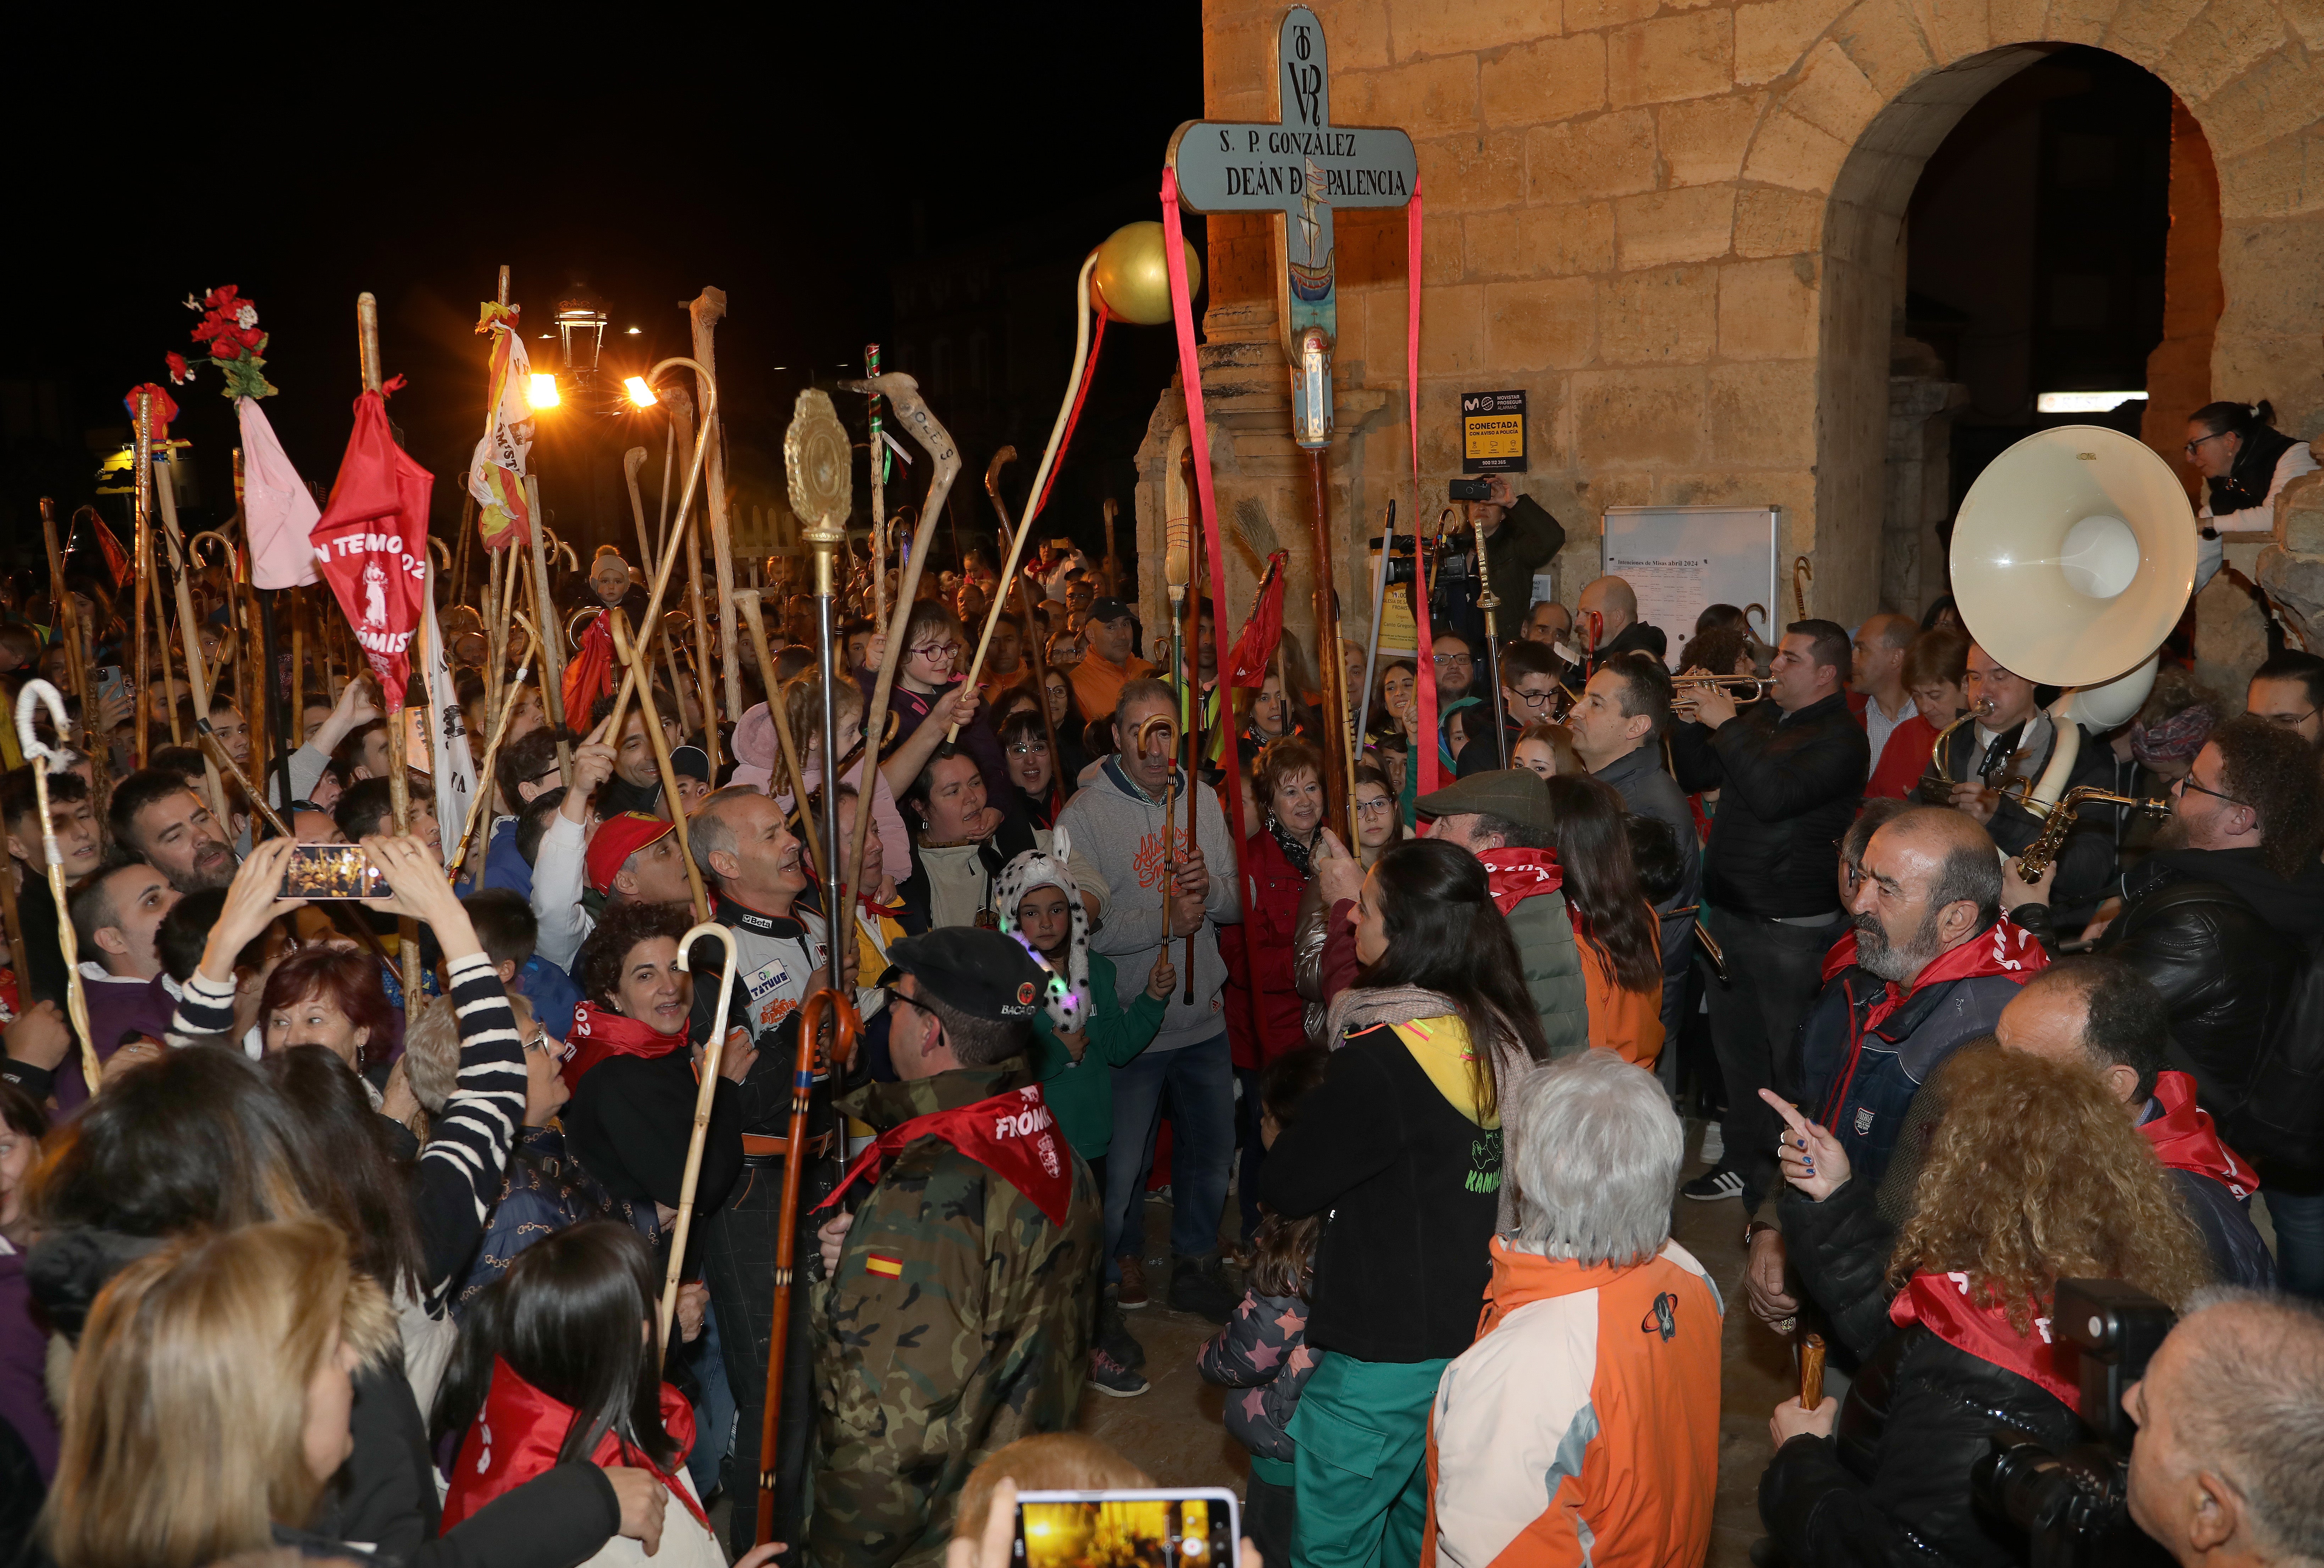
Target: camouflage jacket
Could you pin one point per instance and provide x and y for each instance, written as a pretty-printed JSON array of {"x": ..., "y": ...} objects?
[{"x": 957, "y": 1320}]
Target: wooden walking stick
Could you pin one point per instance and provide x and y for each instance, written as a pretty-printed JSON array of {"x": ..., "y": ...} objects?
[
  {"x": 803, "y": 1065},
  {"x": 198, "y": 672},
  {"x": 398, "y": 779},
  {"x": 1032, "y": 627},
  {"x": 1112, "y": 567},
  {"x": 903, "y": 395},
  {"x": 626, "y": 649},
  {"x": 1811, "y": 1372},
  {"x": 476, "y": 807},
  {"x": 703, "y": 1094},
  {"x": 40, "y": 693},
  {"x": 1048, "y": 461},
  {"x": 747, "y": 601},
  {"x": 707, "y": 309},
  {"x": 143, "y": 491},
  {"x": 1170, "y": 802},
  {"x": 1196, "y": 727}
]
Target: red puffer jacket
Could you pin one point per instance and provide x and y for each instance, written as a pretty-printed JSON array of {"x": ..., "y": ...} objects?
[{"x": 1259, "y": 955}]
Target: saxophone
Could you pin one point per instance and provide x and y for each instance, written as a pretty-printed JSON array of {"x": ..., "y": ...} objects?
[{"x": 2043, "y": 852}]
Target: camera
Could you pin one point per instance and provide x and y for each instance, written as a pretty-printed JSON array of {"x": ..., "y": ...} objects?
[
  {"x": 1470, "y": 489},
  {"x": 1449, "y": 559},
  {"x": 2074, "y": 1507}
]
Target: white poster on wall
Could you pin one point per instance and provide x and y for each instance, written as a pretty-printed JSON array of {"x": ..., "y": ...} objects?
[{"x": 1680, "y": 560}]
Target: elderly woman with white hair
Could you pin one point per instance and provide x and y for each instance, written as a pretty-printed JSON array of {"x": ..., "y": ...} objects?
[{"x": 1596, "y": 1363}]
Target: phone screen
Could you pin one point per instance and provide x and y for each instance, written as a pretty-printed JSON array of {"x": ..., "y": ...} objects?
[
  {"x": 1195, "y": 1528},
  {"x": 332, "y": 870}
]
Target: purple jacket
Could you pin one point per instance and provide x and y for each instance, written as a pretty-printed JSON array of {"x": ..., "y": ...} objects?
[{"x": 23, "y": 1353}]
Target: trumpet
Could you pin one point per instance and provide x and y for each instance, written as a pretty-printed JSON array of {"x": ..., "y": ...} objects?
[{"x": 1761, "y": 685}]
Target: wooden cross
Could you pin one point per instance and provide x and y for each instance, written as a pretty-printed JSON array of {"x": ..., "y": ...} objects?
[{"x": 1297, "y": 168}]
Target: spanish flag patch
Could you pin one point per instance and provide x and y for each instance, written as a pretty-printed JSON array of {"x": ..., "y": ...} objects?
[{"x": 880, "y": 1263}]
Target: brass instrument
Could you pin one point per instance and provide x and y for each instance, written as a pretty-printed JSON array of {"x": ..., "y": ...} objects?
[
  {"x": 1936, "y": 788},
  {"x": 1761, "y": 687},
  {"x": 2043, "y": 852}
]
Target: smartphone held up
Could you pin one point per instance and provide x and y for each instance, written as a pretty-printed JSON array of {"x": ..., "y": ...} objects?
[
  {"x": 1196, "y": 1527},
  {"x": 332, "y": 870}
]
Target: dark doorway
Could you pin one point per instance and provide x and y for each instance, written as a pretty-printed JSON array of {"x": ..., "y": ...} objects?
[{"x": 2036, "y": 244}]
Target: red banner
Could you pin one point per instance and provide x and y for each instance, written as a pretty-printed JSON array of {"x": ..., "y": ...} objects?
[{"x": 370, "y": 545}]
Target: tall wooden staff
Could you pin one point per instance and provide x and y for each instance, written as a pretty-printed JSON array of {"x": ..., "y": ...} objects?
[
  {"x": 76, "y": 661},
  {"x": 398, "y": 780},
  {"x": 903, "y": 395},
  {"x": 40, "y": 693},
  {"x": 1032, "y": 627},
  {"x": 878, "y": 446},
  {"x": 703, "y": 1096},
  {"x": 803, "y": 1064},
  {"x": 1113, "y": 566},
  {"x": 1048, "y": 461},
  {"x": 1195, "y": 728},
  {"x": 640, "y": 660},
  {"x": 550, "y": 646},
  {"x": 143, "y": 491},
  {"x": 198, "y": 675},
  {"x": 492, "y": 755},
  {"x": 706, "y": 312},
  {"x": 820, "y": 463},
  {"x": 748, "y": 602}
]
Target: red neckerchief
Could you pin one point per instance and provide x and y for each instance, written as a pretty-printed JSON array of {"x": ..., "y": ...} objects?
[
  {"x": 1942, "y": 1304},
  {"x": 1012, "y": 1135},
  {"x": 2185, "y": 1140},
  {"x": 2007, "y": 948},
  {"x": 517, "y": 1435},
  {"x": 1515, "y": 875},
  {"x": 872, "y": 906},
  {"x": 599, "y": 1032}
]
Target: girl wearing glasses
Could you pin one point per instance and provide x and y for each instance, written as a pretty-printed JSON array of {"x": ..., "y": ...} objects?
[
  {"x": 1379, "y": 828},
  {"x": 928, "y": 699}
]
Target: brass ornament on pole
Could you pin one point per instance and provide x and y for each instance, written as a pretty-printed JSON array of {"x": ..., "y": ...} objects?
[{"x": 820, "y": 461}]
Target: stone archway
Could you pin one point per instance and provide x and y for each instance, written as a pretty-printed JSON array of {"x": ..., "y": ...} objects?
[{"x": 1873, "y": 94}]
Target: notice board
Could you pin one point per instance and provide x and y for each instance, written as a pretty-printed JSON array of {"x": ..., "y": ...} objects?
[{"x": 1681, "y": 560}]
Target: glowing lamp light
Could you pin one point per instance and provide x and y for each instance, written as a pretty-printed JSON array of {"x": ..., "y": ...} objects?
[
  {"x": 2084, "y": 402},
  {"x": 639, "y": 392},
  {"x": 543, "y": 394},
  {"x": 635, "y": 331}
]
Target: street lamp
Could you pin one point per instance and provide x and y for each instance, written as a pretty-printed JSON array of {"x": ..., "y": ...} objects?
[{"x": 581, "y": 324}]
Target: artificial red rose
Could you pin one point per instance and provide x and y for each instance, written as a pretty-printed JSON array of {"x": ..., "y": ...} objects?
[
  {"x": 221, "y": 300},
  {"x": 178, "y": 371},
  {"x": 224, "y": 347},
  {"x": 248, "y": 336}
]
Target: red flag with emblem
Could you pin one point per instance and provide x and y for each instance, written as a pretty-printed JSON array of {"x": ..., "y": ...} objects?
[
  {"x": 1254, "y": 647},
  {"x": 371, "y": 544}
]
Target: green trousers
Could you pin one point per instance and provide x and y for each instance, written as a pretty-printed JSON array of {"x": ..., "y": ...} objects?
[{"x": 1362, "y": 1431}]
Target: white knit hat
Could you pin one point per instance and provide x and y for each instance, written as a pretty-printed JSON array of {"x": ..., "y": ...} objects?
[{"x": 1068, "y": 1005}]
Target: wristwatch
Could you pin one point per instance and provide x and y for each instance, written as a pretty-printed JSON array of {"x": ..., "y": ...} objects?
[{"x": 1752, "y": 1228}]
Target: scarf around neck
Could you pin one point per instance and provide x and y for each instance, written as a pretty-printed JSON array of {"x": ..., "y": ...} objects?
[
  {"x": 2184, "y": 1138},
  {"x": 1514, "y": 875},
  {"x": 598, "y": 1032},
  {"x": 1944, "y": 1305},
  {"x": 1299, "y": 854},
  {"x": 517, "y": 1435},
  {"x": 1012, "y": 1134}
]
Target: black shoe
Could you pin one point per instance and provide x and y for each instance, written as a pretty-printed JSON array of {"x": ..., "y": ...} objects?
[
  {"x": 1712, "y": 1185},
  {"x": 1196, "y": 1287},
  {"x": 1110, "y": 1376}
]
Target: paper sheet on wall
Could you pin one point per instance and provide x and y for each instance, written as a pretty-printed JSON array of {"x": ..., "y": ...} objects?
[{"x": 1682, "y": 559}]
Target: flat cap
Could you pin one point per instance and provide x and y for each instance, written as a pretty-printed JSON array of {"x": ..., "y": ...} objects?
[{"x": 1516, "y": 794}]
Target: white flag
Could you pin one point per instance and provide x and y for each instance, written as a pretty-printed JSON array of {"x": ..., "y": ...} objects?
[{"x": 455, "y": 773}]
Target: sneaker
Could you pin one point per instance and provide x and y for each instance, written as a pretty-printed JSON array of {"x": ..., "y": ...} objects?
[
  {"x": 1132, "y": 1295},
  {"x": 1110, "y": 1376},
  {"x": 1114, "y": 1338},
  {"x": 1714, "y": 1144},
  {"x": 1196, "y": 1287},
  {"x": 1712, "y": 1186}
]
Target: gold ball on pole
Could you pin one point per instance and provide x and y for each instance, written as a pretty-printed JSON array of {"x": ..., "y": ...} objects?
[{"x": 1133, "y": 279}]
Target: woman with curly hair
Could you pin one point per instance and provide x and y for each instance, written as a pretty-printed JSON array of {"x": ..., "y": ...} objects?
[{"x": 2032, "y": 1175}]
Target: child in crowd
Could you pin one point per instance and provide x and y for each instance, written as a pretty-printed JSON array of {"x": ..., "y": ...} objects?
[
  {"x": 1080, "y": 1037},
  {"x": 1263, "y": 1351}
]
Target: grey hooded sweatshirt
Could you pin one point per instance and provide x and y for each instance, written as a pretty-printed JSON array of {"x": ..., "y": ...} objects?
[{"x": 1117, "y": 825}]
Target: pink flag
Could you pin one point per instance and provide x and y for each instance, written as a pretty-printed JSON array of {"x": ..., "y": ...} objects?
[{"x": 279, "y": 509}]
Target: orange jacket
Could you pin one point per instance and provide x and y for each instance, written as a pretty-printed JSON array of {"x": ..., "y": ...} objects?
[
  {"x": 1601, "y": 1385},
  {"x": 1629, "y": 1023}
]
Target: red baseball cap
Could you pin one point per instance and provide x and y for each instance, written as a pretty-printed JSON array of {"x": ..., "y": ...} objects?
[{"x": 618, "y": 838}]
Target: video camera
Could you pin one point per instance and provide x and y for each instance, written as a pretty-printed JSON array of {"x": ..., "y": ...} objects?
[{"x": 2074, "y": 1507}]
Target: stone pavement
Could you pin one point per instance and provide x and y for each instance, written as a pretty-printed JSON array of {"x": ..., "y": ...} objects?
[{"x": 1173, "y": 1431}]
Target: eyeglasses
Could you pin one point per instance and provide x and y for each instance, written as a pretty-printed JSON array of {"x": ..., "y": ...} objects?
[
  {"x": 2187, "y": 781},
  {"x": 1030, "y": 749},
  {"x": 1374, "y": 806},
  {"x": 933, "y": 651},
  {"x": 2289, "y": 721},
  {"x": 1444, "y": 658},
  {"x": 1535, "y": 699},
  {"x": 2215, "y": 435},
  {"x": 897, "y": 996}
]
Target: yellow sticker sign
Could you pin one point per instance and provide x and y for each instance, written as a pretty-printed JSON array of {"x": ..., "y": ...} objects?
[{"x": 1493, "y": 432}]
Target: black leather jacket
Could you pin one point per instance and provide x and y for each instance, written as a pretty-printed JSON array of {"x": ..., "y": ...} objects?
[
  {"x": 2221, "y": 937},
  {"x": 1789, "y": 785},
  {"x": 1892, "y": 1484}
]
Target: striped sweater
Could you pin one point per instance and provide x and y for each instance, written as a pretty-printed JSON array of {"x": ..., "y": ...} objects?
[{"x": 458, "y": 1177}]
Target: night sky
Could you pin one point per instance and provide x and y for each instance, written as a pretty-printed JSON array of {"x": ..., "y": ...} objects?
[{"x": 789, "y": 162}]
